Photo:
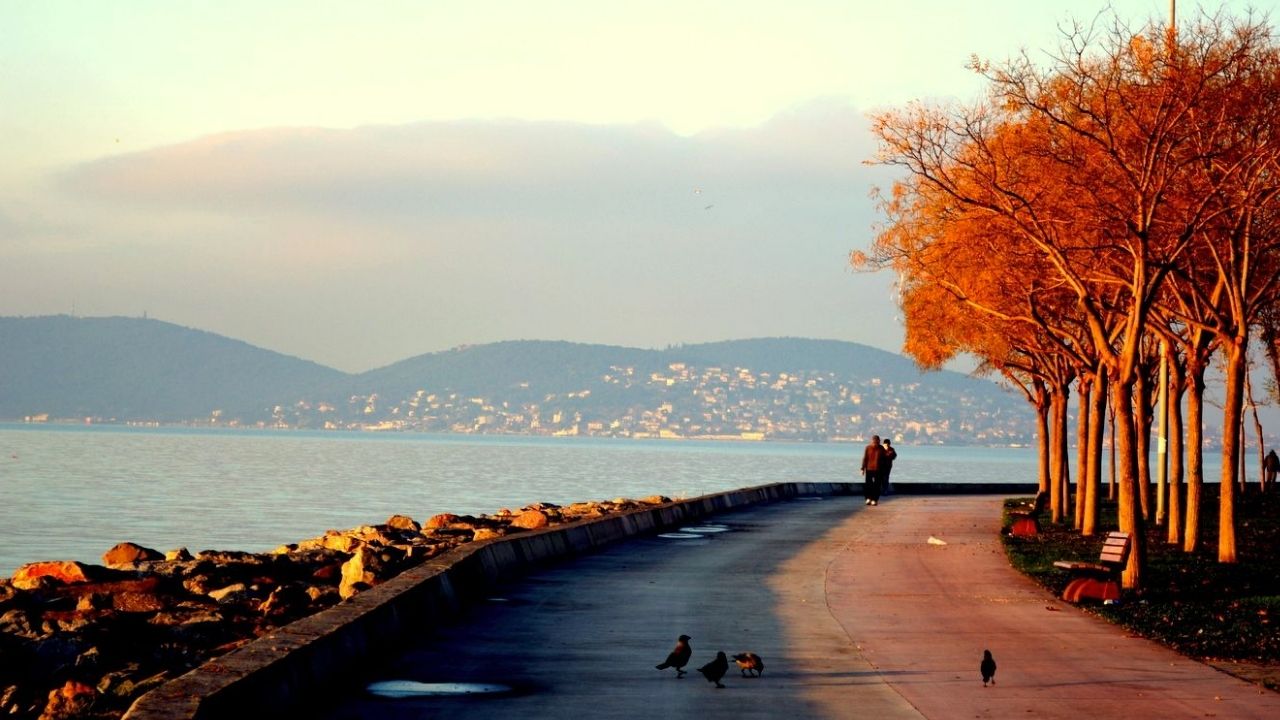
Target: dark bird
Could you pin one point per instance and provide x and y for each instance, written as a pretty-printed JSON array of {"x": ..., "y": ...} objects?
[
  {"x": 988, "y": 668},
  {"x": 679, "y": 657},
  {"x": 715, "y": 669},
  {"x": 749, "y": 662}
]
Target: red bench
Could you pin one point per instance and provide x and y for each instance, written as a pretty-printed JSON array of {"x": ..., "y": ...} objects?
[
  {"x": 1101, "y": 580},
  {"x": 1027, "y": 524}
]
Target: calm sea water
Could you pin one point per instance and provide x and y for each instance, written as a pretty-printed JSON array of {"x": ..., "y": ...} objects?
[{"x": 71, "y": 492}]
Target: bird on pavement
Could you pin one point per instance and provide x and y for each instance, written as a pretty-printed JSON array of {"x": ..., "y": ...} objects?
[
  {"x": 679, "y": 656},
  {"x": 715, "y": 669},
  {"x": 749, "y": 662},
  {"x": 988, "y": 668}
]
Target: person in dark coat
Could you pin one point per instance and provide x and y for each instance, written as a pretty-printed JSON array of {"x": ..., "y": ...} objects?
[
  {"x": 872, "y": 467},
  {"x": 889, "y": 456},
  {"x": 1272, "y": 465}
]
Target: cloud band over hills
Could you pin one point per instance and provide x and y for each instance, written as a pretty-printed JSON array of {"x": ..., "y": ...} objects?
[{"x": 363, "y": 245}]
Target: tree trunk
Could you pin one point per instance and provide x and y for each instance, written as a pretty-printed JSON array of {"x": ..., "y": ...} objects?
[
  {"x": 1130, "y": 517},
  {"x": 1084, "y": 390},
  {"x": 1142, "y": 428},
  {"x": 1042, "y": 434},
  {"x": 1112, "y": 492},
  {"x": 1195, "y": 454},
  {"x": 1257, "y": 431},
  {"x": 1177, "y": 386},
  {"x": 1232, "y": 406},
  {"x": 1059, "y": 397},
  {"x": 1162, "y": 437},
  {"x": 1092, "y": 481}
]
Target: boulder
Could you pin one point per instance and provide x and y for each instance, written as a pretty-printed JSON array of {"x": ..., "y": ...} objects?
[
  {"x": 403, "y": 522},
  {"x": 236, "y": 593},
  {"x": 341, "y": 542},
  {"x": 137, "y": 602},
  {"x": 8, "y": 595},
  {"x": 327, "y": 573},
  {"x": 322, "y": 596},
  {"x": 530, "y": 520},
  {"x": 285, "y": 600},
  {"x": 485, "y": 534},
  {"x": 67, "y": 572},
  {"x": 230, "y": 557},
  {"x": 139, "y": 595},
  {"x": 128, "y": 554},
  {"x": 18, "y": 622},
  {"x": 74, "y": 699},
  {"x": 443, "y": 520},
  {"x": 656, "y": 500},
  {"x": 365, "y": 569},
  {"x": 178, "y": 554},
  {"x": 198, "y": 584}
]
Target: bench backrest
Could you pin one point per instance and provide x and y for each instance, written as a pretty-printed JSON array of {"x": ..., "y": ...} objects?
[{"x": 1115, "y": 549}]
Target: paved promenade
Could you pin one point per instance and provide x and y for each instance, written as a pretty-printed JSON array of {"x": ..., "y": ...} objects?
[{"x": 855, "y": 612}]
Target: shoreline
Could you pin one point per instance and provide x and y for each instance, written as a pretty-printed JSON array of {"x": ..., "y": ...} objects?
[{"x": 79, "y": 634}]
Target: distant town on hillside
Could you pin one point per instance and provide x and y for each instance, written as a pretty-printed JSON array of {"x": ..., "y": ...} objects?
[{"x": 141, "y": 371}]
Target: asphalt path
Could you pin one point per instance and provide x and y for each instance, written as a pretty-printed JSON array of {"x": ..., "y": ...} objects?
[{"x": 856, "y": 612}]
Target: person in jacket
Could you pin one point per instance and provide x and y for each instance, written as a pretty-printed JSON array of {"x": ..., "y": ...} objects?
[
  {"x": 889, "y": 456},
  {"x": 872, "y": 467}
]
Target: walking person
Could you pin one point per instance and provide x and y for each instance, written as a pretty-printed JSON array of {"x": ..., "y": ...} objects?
[
  {"x": 1272, "y": 465},
  {"x": 887, "y": 466},
  {"x": 872, "y": 466}
]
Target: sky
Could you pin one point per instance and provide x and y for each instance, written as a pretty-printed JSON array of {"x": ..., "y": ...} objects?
[{"x": 358, "y": 183}]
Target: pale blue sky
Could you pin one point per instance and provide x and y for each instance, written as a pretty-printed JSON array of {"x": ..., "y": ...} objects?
[{"x": 356, "y": 183}]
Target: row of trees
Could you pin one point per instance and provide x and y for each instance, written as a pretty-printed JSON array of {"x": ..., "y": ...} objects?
[{"x": 1106, "y": 220}]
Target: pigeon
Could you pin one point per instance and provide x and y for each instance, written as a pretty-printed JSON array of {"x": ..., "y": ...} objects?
[
  {"x": 749, "y": 662},
  {"x": 715, "y": 669},
  {"x": 679, "y": 657},
  {"x": 988, "y": 668}
]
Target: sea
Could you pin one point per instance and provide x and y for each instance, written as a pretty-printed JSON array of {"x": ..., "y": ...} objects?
[{"x": 70, "y": 492}]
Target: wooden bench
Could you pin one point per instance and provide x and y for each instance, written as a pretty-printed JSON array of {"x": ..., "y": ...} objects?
[
  {"x": 1101, "y": 580},
  {"x": 1027, "y": 524}
]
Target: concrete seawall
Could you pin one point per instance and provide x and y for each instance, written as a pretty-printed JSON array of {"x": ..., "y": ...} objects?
[{"x": 290, "y": 665}]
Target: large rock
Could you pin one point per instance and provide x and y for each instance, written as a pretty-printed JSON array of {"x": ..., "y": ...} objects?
[
  {"x": 443, "y": 520},
  {"x": 530, "y": 520},
  {"x": 342, "y": 542},
  {"x": 236, "y": 593},
  {"x": 129, "y": 554},
  {"x": 403, "y": 522},
  {"x": 67, "y": 572},
  {"x": 286, "y": 600},
  {"x": 366, "y": 568},
  {"x": 178, "y": 554},
  {"x": 74, "y": 699}
]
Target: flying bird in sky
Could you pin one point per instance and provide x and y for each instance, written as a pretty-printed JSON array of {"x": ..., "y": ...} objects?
[
  {"x": 715, "y": 669},
  {"x": 988, "y": 668},
  {"x": 679, "y": 656}
]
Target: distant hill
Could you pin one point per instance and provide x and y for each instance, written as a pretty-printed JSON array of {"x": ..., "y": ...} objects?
[
  {"x": 780, "y": 388},
  {"x": 505, "y": 366},
  {"x": 137, "y": 369}
]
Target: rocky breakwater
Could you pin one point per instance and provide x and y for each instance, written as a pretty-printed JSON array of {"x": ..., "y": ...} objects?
[{"x": 83, "y": 641}]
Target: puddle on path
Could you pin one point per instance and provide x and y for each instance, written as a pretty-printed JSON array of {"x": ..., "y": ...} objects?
[
  {"x": 705, "y": 529},
  {"x": 413, "y": 688},
  {"x": 680, "y": 536}
]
